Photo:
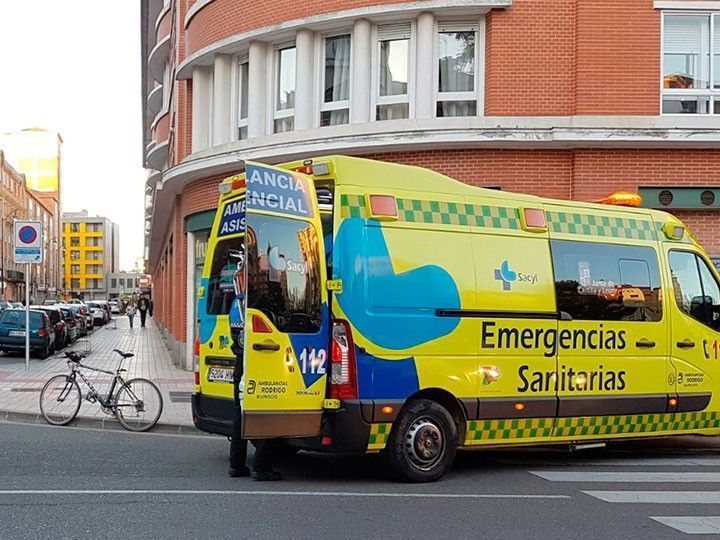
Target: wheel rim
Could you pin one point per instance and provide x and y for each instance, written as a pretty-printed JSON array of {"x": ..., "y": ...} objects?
[
  {"x": 138, "y": 405},
  {"x": 60, "y": 400},
  {"x": 425, "y": 443}
]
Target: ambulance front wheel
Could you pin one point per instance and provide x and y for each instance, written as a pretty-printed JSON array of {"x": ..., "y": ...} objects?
[{"x": 422, "y": 443}]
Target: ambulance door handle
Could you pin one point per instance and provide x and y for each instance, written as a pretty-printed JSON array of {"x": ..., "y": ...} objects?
[
  {"x": 646, "y": 343},
  {"x": 266, "y": 346},
  {"x": 685, "y": 344}
]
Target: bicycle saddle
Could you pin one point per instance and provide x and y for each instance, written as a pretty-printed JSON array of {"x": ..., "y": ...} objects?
[
  {"x": 124, "y": 354},
  {"x": 75, "y": 357}
]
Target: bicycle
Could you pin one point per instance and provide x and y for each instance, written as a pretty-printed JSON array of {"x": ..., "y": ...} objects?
[{"x": 137, "y": 404}]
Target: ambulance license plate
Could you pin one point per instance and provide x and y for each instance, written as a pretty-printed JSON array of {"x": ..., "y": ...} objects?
[{"x": 220, "y": 375}]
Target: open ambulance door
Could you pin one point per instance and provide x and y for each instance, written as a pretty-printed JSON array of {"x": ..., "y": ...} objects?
[{"x": 287, "y": 322}]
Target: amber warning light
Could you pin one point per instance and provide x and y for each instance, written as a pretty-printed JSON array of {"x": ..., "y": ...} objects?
[{"x": 622, "y": 198}]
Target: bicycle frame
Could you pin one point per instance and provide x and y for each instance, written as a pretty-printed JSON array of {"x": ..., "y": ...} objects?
[{"x": 117, "y": 378}]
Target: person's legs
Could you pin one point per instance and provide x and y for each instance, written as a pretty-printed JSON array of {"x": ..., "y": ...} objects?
[
  {"x": 142, "y": 318},
  {"x": 238, "y": 445},
  {"x": 130, "y": 318},
  {"x": 262, "y": 465}
]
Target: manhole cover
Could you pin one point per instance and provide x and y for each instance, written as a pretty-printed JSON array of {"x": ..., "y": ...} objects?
[{"x": 180, "y": 397}]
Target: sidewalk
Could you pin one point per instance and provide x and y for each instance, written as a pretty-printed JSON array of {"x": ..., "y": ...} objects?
[{"x": 20, "y": 389}]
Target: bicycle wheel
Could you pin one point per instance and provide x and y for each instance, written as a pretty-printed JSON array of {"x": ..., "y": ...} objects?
[
  {"x": 138, "y": 405},
  {"x": 60, "y": 400}
]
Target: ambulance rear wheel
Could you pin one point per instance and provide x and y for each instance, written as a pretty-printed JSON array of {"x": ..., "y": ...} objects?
[{"x": 423, "y": 442}]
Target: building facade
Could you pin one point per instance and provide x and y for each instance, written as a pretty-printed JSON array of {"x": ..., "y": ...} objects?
[
  {"x": 559, "y": 98},
  {"x": 91, "y": 248},
  {"x": 17, "y": 201},
  {"x": 124, "y": 285}
]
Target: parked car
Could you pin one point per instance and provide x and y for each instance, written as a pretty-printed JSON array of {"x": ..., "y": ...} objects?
[
  {"x": 50, "y": 302},
  {"x": 81, "y": 319},
  {"x": 5, "y": 305},
  {"x": 72, "y": 322},
  {"x": 114, "y": 307},
  {"x": 98, "y": 313},
  {"x": 12, "y": 332},
  {"x": 17, "y": 305},
  {"x": 58, "y": 321},
  {"x": 106, "y": 306}
]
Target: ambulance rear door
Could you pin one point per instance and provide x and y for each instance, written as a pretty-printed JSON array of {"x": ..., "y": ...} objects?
[{"x": 287, "y": 318}]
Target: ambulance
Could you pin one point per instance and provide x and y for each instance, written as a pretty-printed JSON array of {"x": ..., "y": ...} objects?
[{"x": 411, "y": 314}]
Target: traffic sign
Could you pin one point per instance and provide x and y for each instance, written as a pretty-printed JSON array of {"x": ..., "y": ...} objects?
[{"x": 28, "y": 242}]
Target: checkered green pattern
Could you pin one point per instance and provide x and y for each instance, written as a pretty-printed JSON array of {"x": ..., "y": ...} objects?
[
  {"x": 379, "y": 434},
  {"x": 439, "y": 212},
  {"x": 352, "y": 206},
  {"x": 493, "y": 430},
  {"x": 521, "y": 428},
  {"x": 591, "y": 225}
]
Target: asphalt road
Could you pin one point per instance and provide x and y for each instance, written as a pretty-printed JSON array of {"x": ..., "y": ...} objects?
[{"x": 79, "y": 483}]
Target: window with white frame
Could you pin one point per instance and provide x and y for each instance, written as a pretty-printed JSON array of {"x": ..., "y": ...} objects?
[
  {"x": 242, "y": 98},
  {"x": 691, "y": 63},
  {"x": 392, "y": 98},
  {"x": 335, "y": 105},
  {"x": 284, "y": 116},
  {"x": 457, "y": 81}
]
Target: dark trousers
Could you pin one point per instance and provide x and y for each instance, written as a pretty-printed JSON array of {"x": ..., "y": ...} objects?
[
  {"x": 130, "y": 318},
  {"x": 143, "y": 315},
  {"x": 265, "y": 449}
]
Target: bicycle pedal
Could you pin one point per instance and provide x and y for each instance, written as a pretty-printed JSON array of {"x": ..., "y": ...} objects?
[{"x": 90, "y": 398}]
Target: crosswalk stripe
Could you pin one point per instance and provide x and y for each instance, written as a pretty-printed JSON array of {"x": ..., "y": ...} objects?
[
  {"x": 628, "y": 477},
  {"x": 691, "y": 524},
  {"x": 629, "y": 462},
  {"x": 657, "y": 497}
]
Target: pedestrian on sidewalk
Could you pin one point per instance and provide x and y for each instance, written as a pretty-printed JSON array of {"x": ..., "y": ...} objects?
[
  {"x": 130, "y": 312},
  {"x": 143, "y": 306},
  {"x": 265, "y": 449}
]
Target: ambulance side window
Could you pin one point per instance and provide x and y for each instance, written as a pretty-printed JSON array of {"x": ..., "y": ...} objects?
[
  {"x": 607, "y": 282},
  {"x": 696, "y": 291},
  {"x": 221, "y": 292}
]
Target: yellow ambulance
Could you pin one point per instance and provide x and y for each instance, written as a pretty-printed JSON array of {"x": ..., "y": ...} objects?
[{"x": 413, "y": 314}]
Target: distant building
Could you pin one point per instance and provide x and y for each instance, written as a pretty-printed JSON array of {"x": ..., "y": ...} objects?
[
  {"x": 17, "y": 201},
  {"x": 37, "y": 154},
  {"x": 124, "y": 284},
  {"x": 91, "y": 247}
]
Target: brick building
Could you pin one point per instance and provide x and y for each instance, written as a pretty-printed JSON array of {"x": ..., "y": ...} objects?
[{"x": 560, "y": 98}]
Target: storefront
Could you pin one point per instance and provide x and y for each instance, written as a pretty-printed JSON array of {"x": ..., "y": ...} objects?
[{"x": 197, "y": 230}]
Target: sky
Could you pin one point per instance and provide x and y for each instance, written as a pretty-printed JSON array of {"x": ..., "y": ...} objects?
[{"x": 74, "y": 66}]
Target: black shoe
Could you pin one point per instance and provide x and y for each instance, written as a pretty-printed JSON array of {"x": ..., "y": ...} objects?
[
  {"x": 239, "y": 473},
  {"x": 267, "y": 476}
]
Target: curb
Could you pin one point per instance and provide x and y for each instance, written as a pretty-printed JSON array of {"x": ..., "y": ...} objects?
[{"x": 100, "y": 423}]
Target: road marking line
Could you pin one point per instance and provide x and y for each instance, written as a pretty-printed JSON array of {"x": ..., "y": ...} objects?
[
  {"x": 275, "y": 493},
  {"x": 691, "y": 524},
  {"x": 628, "y": 477},
  {"x": 629, "y": 462},
  {"x": 657, "y": 497}
]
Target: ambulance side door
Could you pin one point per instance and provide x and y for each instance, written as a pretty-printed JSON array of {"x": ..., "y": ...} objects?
[
  {"x": 695, "y": 333},
  {"x": 612, "y": 339}
]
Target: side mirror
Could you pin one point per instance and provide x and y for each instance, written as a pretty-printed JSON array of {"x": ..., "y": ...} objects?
[{"x": 201, "y": 292}]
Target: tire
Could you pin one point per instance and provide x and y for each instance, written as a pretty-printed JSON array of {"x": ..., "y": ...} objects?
[
  {"x": 423, "y": 442},
  {"x": 60, "y": 400},
  {"x": 138, "y": 404}
]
